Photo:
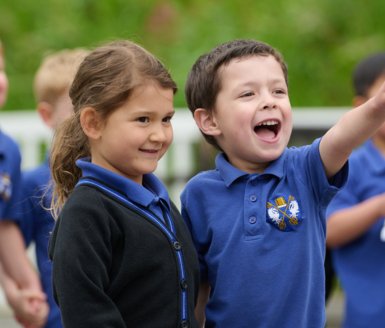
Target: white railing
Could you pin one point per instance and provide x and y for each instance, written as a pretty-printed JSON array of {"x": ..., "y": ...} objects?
[{"x": 178, "y": 163}]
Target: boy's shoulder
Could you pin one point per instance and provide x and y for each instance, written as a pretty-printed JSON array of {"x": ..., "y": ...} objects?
[
  {"x": 211, "y": 174},
  {"x": 8, "y": 144},
  {"x": 202, "y": 180},
  {"x": 36, "y": 176}
]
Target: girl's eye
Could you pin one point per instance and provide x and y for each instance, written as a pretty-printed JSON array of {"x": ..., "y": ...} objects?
[
  {"x": 167, "y": 119},
  {"x": 143, "y": 119}
]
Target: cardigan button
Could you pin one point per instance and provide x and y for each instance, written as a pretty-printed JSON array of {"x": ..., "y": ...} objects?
[
  {"x": 184, "y": 324},
  {"x": 177, "y": 245},
  {"x": 183, "y": 284}
]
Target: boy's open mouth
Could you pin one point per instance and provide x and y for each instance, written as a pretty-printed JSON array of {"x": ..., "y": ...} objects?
[{"x": 267, "y": 129}]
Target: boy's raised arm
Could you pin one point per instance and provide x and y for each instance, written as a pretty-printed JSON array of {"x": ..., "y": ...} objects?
[{"x": 350, "y": 131}]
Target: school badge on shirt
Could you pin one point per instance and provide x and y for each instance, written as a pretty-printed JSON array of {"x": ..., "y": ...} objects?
[
  {"x": 283, "y": 214},
  {"x": 5, "y": 186}
]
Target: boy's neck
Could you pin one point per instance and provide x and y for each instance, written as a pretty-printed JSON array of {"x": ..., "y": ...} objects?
[{"x": 379, "y": 142}]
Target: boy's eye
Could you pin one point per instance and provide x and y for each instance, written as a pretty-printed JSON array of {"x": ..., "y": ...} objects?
[
  {"x": 247, "y": 94},
  {"x": 280, "y": 91}
]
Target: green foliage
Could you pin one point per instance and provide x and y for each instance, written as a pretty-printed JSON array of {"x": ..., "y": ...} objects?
[{"x": 321, "y": 40}]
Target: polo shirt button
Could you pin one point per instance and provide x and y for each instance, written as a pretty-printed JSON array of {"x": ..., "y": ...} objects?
[
  {"x": 184, "y": 324},
  {"x": 177, "y": 246},
  {"x": 253, "y": 198},
  {"x": 183, "y": 284},
  {"x": 252, "y": 219}
]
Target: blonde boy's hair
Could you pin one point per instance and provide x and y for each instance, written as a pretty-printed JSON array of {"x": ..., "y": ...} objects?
[{"x": 56, "y": 73}]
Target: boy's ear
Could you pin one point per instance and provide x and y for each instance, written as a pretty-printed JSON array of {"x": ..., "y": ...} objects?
[
  {"x": 45, "y": 111},
  {"x": 359, "y": 100},
  {"x": 91, "y": 122},
  {"x": 206, "y": 122}
]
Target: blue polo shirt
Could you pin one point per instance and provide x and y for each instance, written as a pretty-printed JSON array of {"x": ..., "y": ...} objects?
[
  {"x": 10, "y": 160},
  {"x": 261, "y": 240},
  {"x": 37, "y": 225},
  {"x": 360, "y": 265}
]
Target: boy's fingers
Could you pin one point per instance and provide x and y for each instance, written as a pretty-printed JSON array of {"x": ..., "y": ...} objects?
[{"x": 35, "y": 294}]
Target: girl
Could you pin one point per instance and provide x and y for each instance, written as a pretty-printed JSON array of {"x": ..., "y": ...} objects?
[{"x": 122, "y": 256}]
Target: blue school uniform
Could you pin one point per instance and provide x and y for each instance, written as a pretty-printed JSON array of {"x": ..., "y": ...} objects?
[
  {"x": 261, "y": 240},
  {"x": 10, "y": 160},
  {"x": 360, "y": 265},
  {"x": 37, "y": 225},
  {"x": 122, "y": 255}
]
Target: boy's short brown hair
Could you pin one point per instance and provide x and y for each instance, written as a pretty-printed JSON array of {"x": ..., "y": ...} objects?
[{"x": 203, "y": 82}]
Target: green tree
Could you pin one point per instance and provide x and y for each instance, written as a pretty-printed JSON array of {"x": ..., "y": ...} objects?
[{"x": 321, "y": 40}]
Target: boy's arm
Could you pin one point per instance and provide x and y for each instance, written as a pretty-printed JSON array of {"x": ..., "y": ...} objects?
[
  {"x": 13, "y": 256},
  {"x": 29, "y": 306},
  {"x": 350, "y": 131},
  {"x": 203, "y": 296},
  {"x": 345, "y": 225}
]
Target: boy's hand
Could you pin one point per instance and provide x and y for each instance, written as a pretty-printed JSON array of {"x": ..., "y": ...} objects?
[
  {"x": 31, "y": 309},
  {"x": 29, "y": 306}
]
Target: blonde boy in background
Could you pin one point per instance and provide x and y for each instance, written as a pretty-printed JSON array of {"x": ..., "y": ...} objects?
[
  {"x": 51, "y": 86},
  {"x": 18, "y": 278}
]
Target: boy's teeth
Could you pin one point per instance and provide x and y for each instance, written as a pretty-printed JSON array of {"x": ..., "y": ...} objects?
[{"x": 268, "y": 123}]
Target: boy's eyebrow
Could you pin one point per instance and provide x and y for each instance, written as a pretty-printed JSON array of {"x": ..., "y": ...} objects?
[{"x": 253, "y": 82}]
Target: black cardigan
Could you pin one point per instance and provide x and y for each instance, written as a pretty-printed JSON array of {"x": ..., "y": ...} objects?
[{"x": 113, "y": 267}]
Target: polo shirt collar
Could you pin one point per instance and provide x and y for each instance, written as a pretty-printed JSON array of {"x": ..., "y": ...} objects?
[
  {"x": 150, "y": 193},
  {"x": 375, "y": 160},
  {"x": 2, "y": 146},
  {"x": 229, "y": 173}
]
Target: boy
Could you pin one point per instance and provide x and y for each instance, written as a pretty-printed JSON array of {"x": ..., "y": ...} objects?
[
  {"x": 23, "y": 290},
  {"x": 51, "y": 85},
  {"x": 257, "y": 220},
  {"x": 355, "y": 226}
]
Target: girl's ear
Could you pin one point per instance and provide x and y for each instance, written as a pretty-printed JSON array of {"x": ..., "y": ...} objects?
[
  {"x": 206, "y": 122},
  {"x": 91, "y": 123}
]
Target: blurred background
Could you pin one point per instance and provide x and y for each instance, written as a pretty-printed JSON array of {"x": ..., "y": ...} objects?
[{"x": 321, "y": 40}]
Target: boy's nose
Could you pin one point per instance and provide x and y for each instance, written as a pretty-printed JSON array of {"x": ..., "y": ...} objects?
[{"x": 268, "y": 101}]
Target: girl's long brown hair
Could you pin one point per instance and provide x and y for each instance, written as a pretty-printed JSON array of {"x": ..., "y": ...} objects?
[{"x": 105, "y": 80}]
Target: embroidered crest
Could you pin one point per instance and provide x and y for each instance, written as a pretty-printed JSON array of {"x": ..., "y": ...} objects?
[
  {"x": 5, "y": 186},
  {"x": 282, "y": 214}
]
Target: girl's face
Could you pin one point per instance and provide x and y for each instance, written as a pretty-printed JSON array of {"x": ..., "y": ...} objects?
[
  {"x": 136, "y": 135},
  {"x": 3, "y": 82},
  {"x": 253, "y": 112}
]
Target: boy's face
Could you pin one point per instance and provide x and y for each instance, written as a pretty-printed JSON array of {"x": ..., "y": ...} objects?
[
  {"x": 63, "y": 109},
  {"x": 380, "y": 134},
  {"x": 3, "y": 82},
  {"x": 253, "y": 112},
  {"x": 53, "y": 114}
]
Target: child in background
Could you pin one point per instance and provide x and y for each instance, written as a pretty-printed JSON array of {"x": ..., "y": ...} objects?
[
  {"x": 257, "y": 220},
  {"x": 355, "y": 217},
  {"x": 18, "y": 278},
  {"x": 51, "y": 86},
  {"x": 122, "y": 255}
]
